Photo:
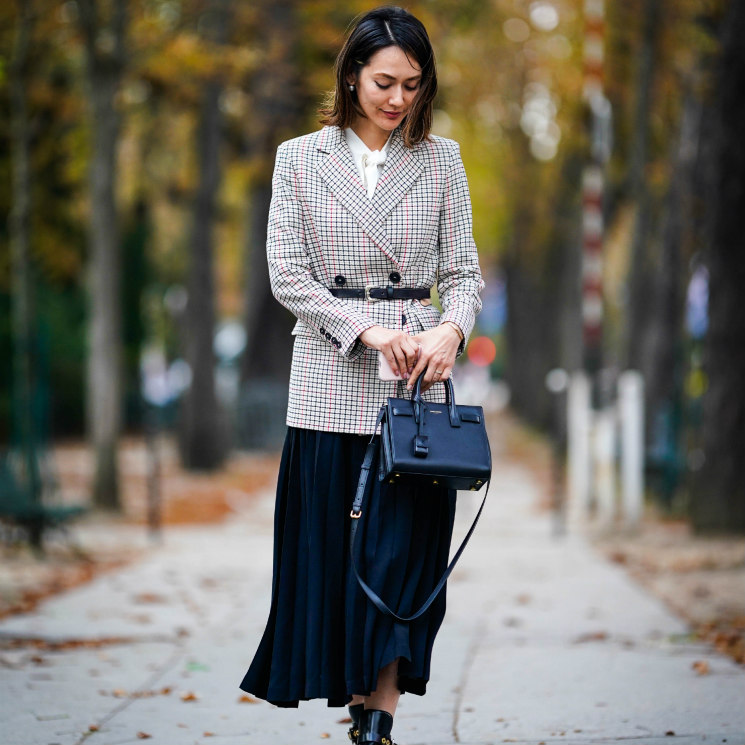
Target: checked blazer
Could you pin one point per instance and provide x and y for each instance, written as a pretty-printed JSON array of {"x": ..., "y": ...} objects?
[{"x": 324, "y": 231}]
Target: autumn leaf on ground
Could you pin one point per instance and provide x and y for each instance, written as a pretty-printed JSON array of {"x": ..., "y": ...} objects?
[
  {"x": 344, "y": 720},
  {"x": 592, "y": 636},
  {"x": 92, "y": 728},
  {"x": 208, "y": 734},
  {"x": 246, "y": 699},
  {"x": 143, "y": 736},
  {"x": 148, "y": 598},
  {"x": 701, "y": 667},
  {"x": 189, "y": 696},
  {"x": 325, "y": 735}
]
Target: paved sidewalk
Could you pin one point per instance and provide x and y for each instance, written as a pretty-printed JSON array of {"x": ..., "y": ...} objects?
[{"x": 544, "y": 642}]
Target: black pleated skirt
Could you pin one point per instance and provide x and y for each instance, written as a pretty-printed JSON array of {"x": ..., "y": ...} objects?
[{"x": 324, "y": 638}]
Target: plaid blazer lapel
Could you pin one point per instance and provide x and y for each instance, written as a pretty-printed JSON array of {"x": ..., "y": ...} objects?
[
  {"x": 340, "y": 174},
  {"x": 402, "y": 168}
]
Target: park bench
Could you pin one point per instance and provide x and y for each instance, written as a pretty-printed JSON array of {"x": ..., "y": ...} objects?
[{"x": 33, "y": 513}]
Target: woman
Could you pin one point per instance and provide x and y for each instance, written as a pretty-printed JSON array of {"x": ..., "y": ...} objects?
[{"x": 367, "y": 215}]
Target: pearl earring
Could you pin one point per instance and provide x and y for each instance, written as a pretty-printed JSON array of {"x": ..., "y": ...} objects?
[{"x": 351, "y": 89}]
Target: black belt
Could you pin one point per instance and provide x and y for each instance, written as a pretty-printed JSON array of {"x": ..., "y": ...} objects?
[{"x": 381, "y": 293}]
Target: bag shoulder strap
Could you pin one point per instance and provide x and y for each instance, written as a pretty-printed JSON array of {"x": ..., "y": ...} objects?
[{"x": 356, "y": 513}]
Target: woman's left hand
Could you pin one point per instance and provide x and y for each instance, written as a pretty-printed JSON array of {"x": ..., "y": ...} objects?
[{"x": 439, "y": 346}]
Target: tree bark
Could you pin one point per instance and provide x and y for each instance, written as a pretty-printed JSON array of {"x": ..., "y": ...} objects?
[
  {"x": 203, "y": 443},
  {"x": 281, "y": 102},
  {"x": 105, "y": 62},
  {"x": 663, "y": 356},
  {"x": 642, "y": 260},
  {"x": 718, "y": 496},
  {"x": 24, "y": 434},
  {"x": 543, "y": 301}
]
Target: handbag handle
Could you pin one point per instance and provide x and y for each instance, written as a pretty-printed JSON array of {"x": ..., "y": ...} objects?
[
  {"x": 420, "y": 403},
  {"x": 356, "y": 513}
]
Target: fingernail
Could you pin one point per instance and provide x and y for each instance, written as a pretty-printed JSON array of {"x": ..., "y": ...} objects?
[{"x": 405, "y": 376}]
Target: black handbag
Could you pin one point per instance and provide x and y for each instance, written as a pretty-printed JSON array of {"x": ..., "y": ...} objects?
[{"x": 443, "y": 445}]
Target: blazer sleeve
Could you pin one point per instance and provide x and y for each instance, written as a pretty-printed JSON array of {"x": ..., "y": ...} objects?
[
  {"x": 292, "y": 281},
  {"x": 459, "y": 279}
]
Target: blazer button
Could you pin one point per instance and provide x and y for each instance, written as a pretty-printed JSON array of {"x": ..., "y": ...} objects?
[
  {"x": 395, "y": 277},
  {"x": 328, "y": 336},
  {"x": 322, "y": 330},
  {"x": 403, "y": 320},
  {"x": 340, "y": 280},
  {"x": 334, "y": 340}
]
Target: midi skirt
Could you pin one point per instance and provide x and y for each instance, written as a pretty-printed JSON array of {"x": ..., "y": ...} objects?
[{"x": 324, "y": 638}]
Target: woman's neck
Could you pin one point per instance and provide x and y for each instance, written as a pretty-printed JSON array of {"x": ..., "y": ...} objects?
[{"x": 374, "y": 137}]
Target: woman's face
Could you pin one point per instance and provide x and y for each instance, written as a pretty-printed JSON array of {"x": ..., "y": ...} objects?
[{"x": 386, "y": 87}]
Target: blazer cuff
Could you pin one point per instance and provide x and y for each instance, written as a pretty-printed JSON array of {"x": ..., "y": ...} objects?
[
  {"x": 346, "y": 339},
  {"x": 464, "y": 319}
]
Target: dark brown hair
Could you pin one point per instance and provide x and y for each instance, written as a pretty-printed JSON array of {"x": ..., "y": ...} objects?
[{"x": 380, "y": 28}]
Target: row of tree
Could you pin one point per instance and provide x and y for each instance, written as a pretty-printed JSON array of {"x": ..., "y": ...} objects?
[{"x": 154, "y": 123}]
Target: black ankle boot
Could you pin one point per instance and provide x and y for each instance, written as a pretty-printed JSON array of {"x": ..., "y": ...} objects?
[
  {"x": 375, "y": 728},
  {"x": 356, "y": 713}
]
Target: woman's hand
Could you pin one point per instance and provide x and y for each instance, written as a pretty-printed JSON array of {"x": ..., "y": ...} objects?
[
  {"x": 398, "y": 347},
  {"x": 437, "y": 357}
]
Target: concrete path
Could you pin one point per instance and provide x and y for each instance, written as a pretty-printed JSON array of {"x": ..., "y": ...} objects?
[{"x": 544, "y": 642}]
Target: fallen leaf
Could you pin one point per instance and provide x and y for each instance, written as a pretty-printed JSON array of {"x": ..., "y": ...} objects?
[
  {"x": 148, "y": 598},
  {"x": 523, "y": 599},
  {"x": 591, "y": 636},
  {"x": 325, "y": 735},
  {"x": 92, "y": 728},
  {"x": 669, "y": 733},
  {"x": 119, "y": 693},
  {"x": 189, "y": 696},
  {"x": 143, "y": 736},
  {"x": 165, "y": 691},
  {"x": 701, "y": 667},
  {"x": 208, "y": 734},
  {"x": 344, "y": 720},
  {"x": 246, "y": 699}
]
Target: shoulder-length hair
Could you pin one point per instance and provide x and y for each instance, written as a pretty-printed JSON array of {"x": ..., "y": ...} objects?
[{"x": 384, "y": 27}]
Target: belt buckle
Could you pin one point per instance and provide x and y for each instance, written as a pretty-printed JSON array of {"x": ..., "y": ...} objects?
[{"x": 367, "y": 294}]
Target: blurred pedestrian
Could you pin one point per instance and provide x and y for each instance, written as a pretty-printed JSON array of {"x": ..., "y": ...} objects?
[{"x": 367, "y": 214}]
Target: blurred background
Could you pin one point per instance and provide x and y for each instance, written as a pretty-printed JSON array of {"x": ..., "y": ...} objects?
[{"x": 604, "y": 149}]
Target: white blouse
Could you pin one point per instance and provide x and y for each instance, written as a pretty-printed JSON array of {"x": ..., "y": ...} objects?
[{"x": 369, "y": 162}]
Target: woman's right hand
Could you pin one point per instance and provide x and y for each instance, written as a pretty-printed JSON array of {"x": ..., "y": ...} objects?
[{"x": 397, "y": 347}]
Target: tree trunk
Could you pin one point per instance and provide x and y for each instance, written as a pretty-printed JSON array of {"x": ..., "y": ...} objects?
[
  {"x": 663, "y": 356},
  {"x": 104, "y": 44},
  {"x": 642, "y": 261},
  {"x": 718, "y": 497},
  {"x": 530, "y": 342},
  {"x": 265, "y": 318},
  {"x": 24, "y": 434},
  {"x": 202, "y": 440},
  {"x": 280, "y": 100},
  {"x": 543, "y": 296}
]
